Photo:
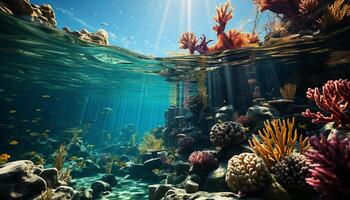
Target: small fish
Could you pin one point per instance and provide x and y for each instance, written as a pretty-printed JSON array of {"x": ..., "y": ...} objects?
[
  {"x": 73, "y": 158},
  {"x": 47, "y": 130},
  {"x": 12, "y": 111},
  {"x": 246, "y": 129},
  {"x": 4, "y": 158},
  {"x": 38, "y": 110},
  {"x": 210, "y": 117},
  {"x": 302, "y": 126},
  {"x": 45, "y": 96},
  {"x": 156, "y": 171},
  {"x": 28, "y": 130},
  {"x": 2, "y": 90},
  {"x": 34, "y": 134},
  {"x": 13, "y": 142}
]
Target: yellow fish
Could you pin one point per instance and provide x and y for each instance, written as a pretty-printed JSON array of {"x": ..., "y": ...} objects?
[
  {"x": 12, "y": 111},
  {"x": 302, "y": 126},
  {"x": 73, "y": 158},
  {"x": 246, "y": 129},
  {"x": 48, "y": 130},
  {"x": 13, "y": 142},
  {"x": 156, "y": 171},
  {"x": 4, "y": 158},
  {"x": 45, "y": 96}
]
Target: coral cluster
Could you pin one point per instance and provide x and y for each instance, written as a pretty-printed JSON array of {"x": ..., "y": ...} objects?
[
  {"x": 203, "y": 161},
  {"x": 335, "y": 13},
  {"x": 330, "y": 167},
  {"x": 288, "y": 91},
  {"x": 227, "y": 133},
  {"x": 292, "y": 170},
  {"x": 247, "y": 173},
  {"x": 185, "y": 144},
  {"x": 151, "y": 143},
  {"x": 334, "y": 100},
  {"x": 279, "y": 140},
  {"x": 233, "y": 39},
  {"x": 195, "y": 104}
]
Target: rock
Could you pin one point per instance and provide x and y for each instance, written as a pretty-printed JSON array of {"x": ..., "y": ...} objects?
[
  {"x": 157, "y": 191},
  {"x": 110, "y": 179},
  {"x": 50, "y": 176},
  {"x": 282, "y": 106},
  {"x": 18, "y": 181},
  {"x": 191, "y": 187},
  {"x": 275, "y": 191},
  {"x": 175, "y": 179},
  {"x": 215, "y": 181},
  {"x": 100, "y": 186},
  {"x": 86, "y": 194},
  {"x": 154, "y": 163},
  {"x": 90, "y": 169},
  {"x": 179, "y": 194},
  {"x": 181, "y": 168},
  {"x": 63, "y": 193},
  {"x": 260, "y": 113},
  {"x": 38, "y": 169},
  {"x": 124, "y": 158},
  {"x": 100, "y": 37}
]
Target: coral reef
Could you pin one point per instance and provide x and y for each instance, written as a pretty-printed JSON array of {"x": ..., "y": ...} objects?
[
  {"x": 100, "y": 37},
  {"x": 330, "y": 167},
  {"x": 335, "y": 13},
  {"x": 247, "y": 173},
  {"x": 151, "y": 143},
  {"x": 227, "y": 133},
  {"x": 233, "y": 39},
  {"x": 203, "y": 161},
  {"x": 195, "y": 104},
  {"x": 60, "y": 157},
  {"x": 23, "y": 9},
  {"x": 334, "y": 100},
  {"x": 288, "y": 91},
  {"x": 185, "y": 144},
  {"x": 279, "y": 140},
  {"x": 291, "y": 171}
]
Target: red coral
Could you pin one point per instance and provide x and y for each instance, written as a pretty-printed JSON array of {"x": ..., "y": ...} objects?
[
  {"x": 335, "y": 101},
  {"x": 188, "y": 41},
  {"x": 330, "y": 167},
  {"x": 223, "y": 14},
  {"x": 289, "y": 8},
  {"x": 203, "y": 160}
]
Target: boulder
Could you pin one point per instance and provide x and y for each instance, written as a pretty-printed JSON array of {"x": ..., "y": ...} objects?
[
  {"x": 99, "y": 187},
  {"x": 154, "y": 163},
  {"x": 18, "y": 181},
  {"x": 215, "y": 181},
  {"x": 50, "y": 176},
  {"x": 191, "y": 187},
  {"x": 158, "y": 191},
  {"x": 110, "y": 179}
]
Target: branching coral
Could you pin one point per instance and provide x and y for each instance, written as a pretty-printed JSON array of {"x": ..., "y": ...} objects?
[
  {"x": 334, "y": 100},
  {"x": 247, "y": 172},
  {"x": 231, "y": 40},
  {"x": 60, "y": 157},
  {"x": 335, "y": 13},
  {"x": 279, "y": 139},
  {"x": 47, "y": 194},
  {"x": 288, "y": 91},
  {"x": 203, "y": 161},
  {"x": 151, "y": 143},
  {"x": 307, "y": 6},
  {"x": 330, "y": 167}
]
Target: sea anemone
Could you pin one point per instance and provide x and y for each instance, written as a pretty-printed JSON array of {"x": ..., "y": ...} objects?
[
  {"x": 330, "y": 167},
  {"x": 203, "y": 161},
  {"x": 227, "y": 133},
  {"x": 292, "y": 170},
  {"x": 247, "y": 173}
]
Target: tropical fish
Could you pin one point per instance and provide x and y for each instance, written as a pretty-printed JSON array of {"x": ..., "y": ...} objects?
[
  {"x": 120, "y": 164},
  {"x": 246, "y": 129},
  {"x": 47, "y": 130},
  {"x": 156, "y": 171},
  {"x": 12, "y": 111},
  {"x": 73, "y": 158},
  {"x": 34, "y": 134},
  {"x": 302, "y": 126},
  {"x": 210, "y": 117},
  {"x": 45, "y": 96},
  {"x": 4, "y": 158},
  {"x": 13, "y": 142},
  {"x": 38, "y": 110}
]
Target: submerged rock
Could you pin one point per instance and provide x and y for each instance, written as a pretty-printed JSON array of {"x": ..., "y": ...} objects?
[
  {"x": 110, "y": 179},
  {"x": 100, "y": 37},
  {"x": 18, "y": 181},
  {"x": 50, "y": 175},
  {"x": 99, "y": 187}
]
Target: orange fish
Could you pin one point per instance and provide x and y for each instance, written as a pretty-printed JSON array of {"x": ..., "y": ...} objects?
[{"x": 4, "y": 158}]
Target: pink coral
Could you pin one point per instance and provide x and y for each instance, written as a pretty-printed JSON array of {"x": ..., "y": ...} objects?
[
  {"x": 335, "y": 101},
  {"x": 203, "y": 160},
  {"x": 330, "y": 167}
]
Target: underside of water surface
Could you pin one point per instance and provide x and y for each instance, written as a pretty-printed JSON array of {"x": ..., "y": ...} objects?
[{"x": 248, "y": 115}]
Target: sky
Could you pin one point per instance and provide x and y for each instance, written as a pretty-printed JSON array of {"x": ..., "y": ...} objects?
[{"x": 150, "y": 27}]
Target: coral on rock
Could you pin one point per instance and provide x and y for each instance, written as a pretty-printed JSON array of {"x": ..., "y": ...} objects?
[
  {"x": 292, "y": 170},
  {"x": 227, "y": 133},
  {"x": 151, "y": 143},
  {"x": 279, "y": 140},
  {"x": 247, "y": 172},
  {"x": 334, "y": 100},
  {"x": 330, "y": 167},
  {"x": 233, "y": 39},
  {"x": 185, "y": 144},
  {"x": 203, "y": 161},
  {"x": 195, "y": 104},
  {"x": 335, "y": 13}
]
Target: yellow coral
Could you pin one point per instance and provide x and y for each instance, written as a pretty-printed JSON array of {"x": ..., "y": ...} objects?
[
  {"x": 336, "y": 12},
  {"x": 288, "y": 91},
  {"x": 151, "y": 143},
  {"x": 279, "y": 139},
  {"x": 60, "y": 157}
]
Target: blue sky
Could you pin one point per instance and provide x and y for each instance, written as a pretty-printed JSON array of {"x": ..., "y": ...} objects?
[{"x": 150, "y": 27}]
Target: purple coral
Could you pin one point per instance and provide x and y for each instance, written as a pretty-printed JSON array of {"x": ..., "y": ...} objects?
[
  {"x": 227, "y": 133},
  {"x": 330, "y": 167},
  {"x": 203, "y": 161},
  {"x": 185, "y": 144}
]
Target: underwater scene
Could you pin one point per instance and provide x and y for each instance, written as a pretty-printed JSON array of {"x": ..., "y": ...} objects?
[{"x": 175, "y": 100}]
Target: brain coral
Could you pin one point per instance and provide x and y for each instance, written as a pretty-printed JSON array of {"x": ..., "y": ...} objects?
[
  {"x": 247, "y": 172},
  {"x": 227, "y": 133}
]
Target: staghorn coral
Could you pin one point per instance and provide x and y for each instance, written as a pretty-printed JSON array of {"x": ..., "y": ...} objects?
[
  {"x": 330, "y": 167},
  {"x": 288, "y": 91},
  {"x": 292, "y": 170},
  {"x": 307, "y": 6},
  {"x": 279, "y": 140},
  {"x": 227, "y": 133},
  {"x": 151, "y": 143},
  {"x": 334, "y": 100},
  {"x": 247, "y": 172},
  {"x": 203, "y": 161},
  {"x": 60, "y": 157},
  {"x": 335, "y": 13},
  {"x": 233, "y": 39}
]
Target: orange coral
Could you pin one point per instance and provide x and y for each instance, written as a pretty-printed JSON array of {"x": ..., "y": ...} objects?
[{"x": 233, "y": 39}]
